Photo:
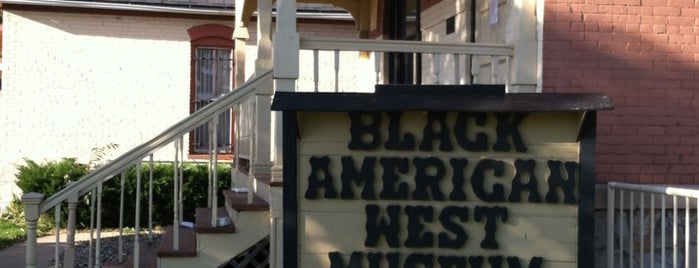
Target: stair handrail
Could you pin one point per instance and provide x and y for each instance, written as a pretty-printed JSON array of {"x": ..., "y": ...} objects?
[{"x": 109, "y": 170}]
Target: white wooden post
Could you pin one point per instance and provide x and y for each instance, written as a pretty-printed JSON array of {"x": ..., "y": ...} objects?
[
  {"x": 69, "y": 254},
  {"x": 286, "y": 72},
  {"x": 522, "y": 35},
  {"x": 31, "y": 213},
  {"x": 261, "y": 163}
]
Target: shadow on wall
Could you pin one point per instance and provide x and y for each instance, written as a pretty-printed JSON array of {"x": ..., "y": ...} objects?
[{"x": 644, "y": 57}]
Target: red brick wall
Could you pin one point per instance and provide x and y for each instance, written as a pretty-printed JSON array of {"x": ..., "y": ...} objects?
[{"x": 644, "y": 55}]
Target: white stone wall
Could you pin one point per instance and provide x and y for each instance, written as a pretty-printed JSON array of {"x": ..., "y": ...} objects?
[{"x": 73, "y": 82}]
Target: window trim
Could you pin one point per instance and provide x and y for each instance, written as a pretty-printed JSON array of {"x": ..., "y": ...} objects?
[{"x": 209, "y": 36}]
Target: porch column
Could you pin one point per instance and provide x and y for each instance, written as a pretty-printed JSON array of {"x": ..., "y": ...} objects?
[
  {"x": 261, "y": 162},
  {"x": 523, "y": 25},
  {"x": 69, "y": 254},
  {"x": 286, "y": 72},
  {"x": 31, "y": 213}
]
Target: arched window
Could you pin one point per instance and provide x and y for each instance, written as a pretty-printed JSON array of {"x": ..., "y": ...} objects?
[{"x": 211, "y": 75}]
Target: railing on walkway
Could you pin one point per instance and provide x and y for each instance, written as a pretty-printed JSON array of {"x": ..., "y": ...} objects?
[
  {"x": 643, "y": 232},
  {"x": 92, "y": 183},
  {"x": 345, "y": 65}
]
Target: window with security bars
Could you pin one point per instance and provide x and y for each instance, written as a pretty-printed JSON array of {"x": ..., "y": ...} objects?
[{"x": 213, "y": 77}]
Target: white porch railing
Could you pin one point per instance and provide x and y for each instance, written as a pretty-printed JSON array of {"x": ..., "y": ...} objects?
[
  {"x": 92, "y": 183},
  {"x": 339, "y": 64},
  {"x": 643, "y": 232}
]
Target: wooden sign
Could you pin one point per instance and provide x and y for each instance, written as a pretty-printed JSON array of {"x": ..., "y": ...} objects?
[{"x": 442, "y": 186}]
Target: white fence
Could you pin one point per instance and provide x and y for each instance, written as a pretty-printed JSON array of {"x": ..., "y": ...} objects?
[{"x": 643, "y": 232}]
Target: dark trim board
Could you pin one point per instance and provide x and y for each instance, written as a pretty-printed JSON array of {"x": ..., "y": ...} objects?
[
  {"x": 290, "y": 173},
  {"x": 457, "y": 99},
  {"x": 586, "y": 206}
]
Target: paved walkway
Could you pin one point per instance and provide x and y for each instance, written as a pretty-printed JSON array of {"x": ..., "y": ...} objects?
[{"x": 14, "y": 256}]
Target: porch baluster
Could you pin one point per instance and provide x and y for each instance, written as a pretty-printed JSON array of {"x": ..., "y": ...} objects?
[
  {"x": 315, "y": 70},
  {"x": 377, "y": 66},
  {"x": 610, "y": 227},
  {"x": 686, "y": 231},
  {"x": 181, "y": 171},
  {"x": 98, "y": 245},
  {"x": 652, "y": 230},
  {"x": 494, "y": 61},
  {"x": 662, "y": 234},
  {"x": 209, "y": 178},
  {"x": 150, "y": 198},
  {"x": 137, "y": 224},
  {"x": 621, "y": 228},
  {"x": 631, "y": 207},
  {"x": 31, "y": 215},
  {"x": 121, "y": 217},
  {"x": 475, "y": 68},
  {"x": 674, "y": 231},
  {"x": 69, "y": 254},
  {"x": 213, "y": 162},
  {"x": 642, "y": 234},
  {"x": 437, "y": 68},
  {"x": 457, "y": 69},
  {"x": 337, "y": 71},
  {"x": 93, "y": 200},
  {"x": 251, "y": 125},
  {"x": 175, "y": 207},
  {"x": 57, "y": 221}
]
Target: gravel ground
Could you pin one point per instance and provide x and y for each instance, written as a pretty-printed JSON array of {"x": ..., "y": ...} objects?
[{"x": 109, "y": 252}]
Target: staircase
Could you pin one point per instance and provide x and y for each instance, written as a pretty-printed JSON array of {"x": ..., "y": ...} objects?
[
  {"x": 209, "y": 246},
  {"x": 242, "y": 237}
]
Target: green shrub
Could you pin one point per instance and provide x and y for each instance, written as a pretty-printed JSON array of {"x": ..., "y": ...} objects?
[{"x": 48, "y": 178}]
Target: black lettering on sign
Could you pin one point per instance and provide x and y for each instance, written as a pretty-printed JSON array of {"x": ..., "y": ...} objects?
[
  {"x": 416, "y": 237},
  {"x": 490, "y": 214},
  {"x": 457, "y": 179},
  {"x": 457, "y": 232},
  {"x": 556, "y": 181},
  {"x": 508, "y": 128},
  {"x": 419, "y": 260},
  {"x": 495, "y": 261},
  {"x": 365, "y": 175},
  {"x": 377, "y": 226},
  {"x": 476, "y": 261},
  {"x": 391, "y": 165},
  {"x": 376, "y": 258},
  {"x": 478, "y": 180},
  {"x": 436, "y": 129},
  {"x": 336, "y": 260},
  {"x": 424, "y": 181},
  {"x": 320, "y": 177},
  {"x": 451, "y": 262},
  {"x": 394, "y": 142},
  {"x": 365, "y": 135},
  {"x": 525, "y": 168},
  {"x": 461, "y": 132},
  {"x": 513, "y": 262}
]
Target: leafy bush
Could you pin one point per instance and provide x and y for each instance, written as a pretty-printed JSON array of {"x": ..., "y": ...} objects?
[
  {"x": 194, "y": 192},
  {"x": 48, "y": 178}
]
